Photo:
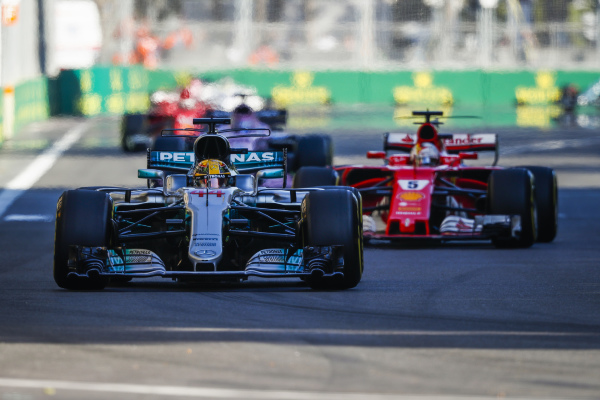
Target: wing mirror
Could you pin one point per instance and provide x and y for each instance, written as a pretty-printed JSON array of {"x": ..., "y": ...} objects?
[
  {"x": 175, "y": 182},
  {"x": 245, "y": 182},
  {"x": 468, "y": 156},
  {"x": 267, "y": 174},
  {"x": 376, "y": 154},
  {"x": 270, "y": 174},
  {"x": 151, "y": 174}
]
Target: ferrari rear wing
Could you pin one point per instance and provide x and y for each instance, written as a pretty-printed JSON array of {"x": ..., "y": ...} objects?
[{"x": 453, "y": 142}]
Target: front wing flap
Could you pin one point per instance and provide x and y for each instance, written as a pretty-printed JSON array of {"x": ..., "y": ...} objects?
[
  {"x": 310, "y": 261},
  {"x": 458, "y": 228}
]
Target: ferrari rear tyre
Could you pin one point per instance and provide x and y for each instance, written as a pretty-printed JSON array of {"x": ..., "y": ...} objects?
[
  {"x": 314, "y": 151},
  {"x": 83, "y": 218},
  {"x": 334, "y": 217},
  {"x": 546, "y": 199},
  {"x": 511, "y": 192},
  {"x": 307, "y": 177}
]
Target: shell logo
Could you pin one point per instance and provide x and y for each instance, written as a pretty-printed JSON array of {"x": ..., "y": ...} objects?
[
  {"x": 423, "y": 79},
  {"x": 423, "y": 91},
  {"x": 546, "y": 91},
  {"x": 302, "y": 79},
  {"x": 411, "y": 196},
  {"x": 301, "y": 92},
  {"x": 545, "y": 79}
]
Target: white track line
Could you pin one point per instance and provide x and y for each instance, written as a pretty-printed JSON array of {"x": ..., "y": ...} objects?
[
  {"x": 28, "y": 218},
  {"x": 30, "y": 175},
  {"x": 217, "y": 393},
  {"x": 344, "y": 332}
]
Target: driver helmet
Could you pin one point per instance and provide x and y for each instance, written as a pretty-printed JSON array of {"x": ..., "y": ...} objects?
[
  {"x": 425, "y": 154},
  {"x": 243, "y": 109},
  {"x": 186, "y": 101},
  {"x": 212, "y": 174}
]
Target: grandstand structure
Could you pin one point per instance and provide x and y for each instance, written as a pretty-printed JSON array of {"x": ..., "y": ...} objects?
[{"x": 362, "y": 34}]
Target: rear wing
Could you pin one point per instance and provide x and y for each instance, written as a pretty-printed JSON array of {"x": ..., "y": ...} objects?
[
  {"x": 453, "y": 142},
  {"x": 272, "y": 117},
  {"x": 253, "y": 161}
]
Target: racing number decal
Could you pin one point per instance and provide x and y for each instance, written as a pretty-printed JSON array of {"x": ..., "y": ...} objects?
[{"x": 413, "y": 184}]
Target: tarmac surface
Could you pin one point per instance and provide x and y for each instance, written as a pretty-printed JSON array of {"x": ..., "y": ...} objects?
[{"x": 449, "y": 322}]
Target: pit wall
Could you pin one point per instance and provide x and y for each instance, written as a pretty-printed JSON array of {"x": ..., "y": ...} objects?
[
  {"x": 24, "y": 103},
  {"x": 114, "y": 90},
  {"x": 117, "y": 90}
]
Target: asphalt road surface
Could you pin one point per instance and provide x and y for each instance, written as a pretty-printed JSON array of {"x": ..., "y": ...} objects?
[{"x": 463, "y": 320}]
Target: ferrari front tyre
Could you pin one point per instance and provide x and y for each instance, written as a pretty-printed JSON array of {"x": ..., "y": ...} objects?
[
  {"x": 546, "y": 199},
  {"x": 307, "y": 177},
  {"x": 334, "y": 217},
  {"x": 511, "y": 192},
  {"x": 83, "y": 218}
]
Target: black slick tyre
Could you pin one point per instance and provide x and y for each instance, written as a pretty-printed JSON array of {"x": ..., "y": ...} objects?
[
  {"x": 173, "y": 143},
  {"x": 511, "y": 192},
  {"x": 333, "y": 217},
  {"x": 132, "y": 124},
  {"x": 313, "y": 151},
  {"x": 83, "y": 218},
  {"x": 546, "y": 199},
  {"x": 307, "y": 177}
]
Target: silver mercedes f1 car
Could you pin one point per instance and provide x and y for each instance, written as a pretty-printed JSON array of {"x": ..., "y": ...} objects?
[{"x": 209, "y": 221}]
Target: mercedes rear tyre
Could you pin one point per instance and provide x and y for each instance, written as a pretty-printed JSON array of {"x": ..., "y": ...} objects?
[
  {"x": 83, "y": 218},
  {"x": 333, "y": 217},
  {"x": 511, "y": 192}
]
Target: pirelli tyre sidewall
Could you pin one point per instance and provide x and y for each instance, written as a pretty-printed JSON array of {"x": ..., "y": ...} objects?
[
  {"x": 83, "y": 218},
  {"x": 307, "y": 177},
  {"x": 334, "y": 217},
  {"x": 546, "y": 199},
  {"x": 511, "y": 192}
]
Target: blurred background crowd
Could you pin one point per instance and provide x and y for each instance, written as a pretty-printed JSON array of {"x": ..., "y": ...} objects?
[
  {"x": 293, "y": 34},
  {"x": 108, "y": 56}
]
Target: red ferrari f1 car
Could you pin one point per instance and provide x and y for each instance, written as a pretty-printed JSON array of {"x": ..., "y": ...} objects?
[{"x": 424, "y": 190}]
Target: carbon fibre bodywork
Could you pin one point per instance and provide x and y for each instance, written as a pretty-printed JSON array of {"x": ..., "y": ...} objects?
[{"x": 191, "y": 229}]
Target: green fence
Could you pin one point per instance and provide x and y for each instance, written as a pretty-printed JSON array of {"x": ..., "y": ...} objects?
[
  {"x": 115, "y": 90},
  {"x": 525, "y": 98},
  {"x": 1, "y": 116},
  {"x": 31, "y": 102},
  {"x": 103, "y": 90},
  {"x": 464, "y": 88}
]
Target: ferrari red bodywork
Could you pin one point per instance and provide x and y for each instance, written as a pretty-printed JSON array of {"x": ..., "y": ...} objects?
[{"x": 448, "y": 200}]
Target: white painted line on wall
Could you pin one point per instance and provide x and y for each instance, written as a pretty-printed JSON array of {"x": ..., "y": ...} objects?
[{"x": 42, "y": 163}]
